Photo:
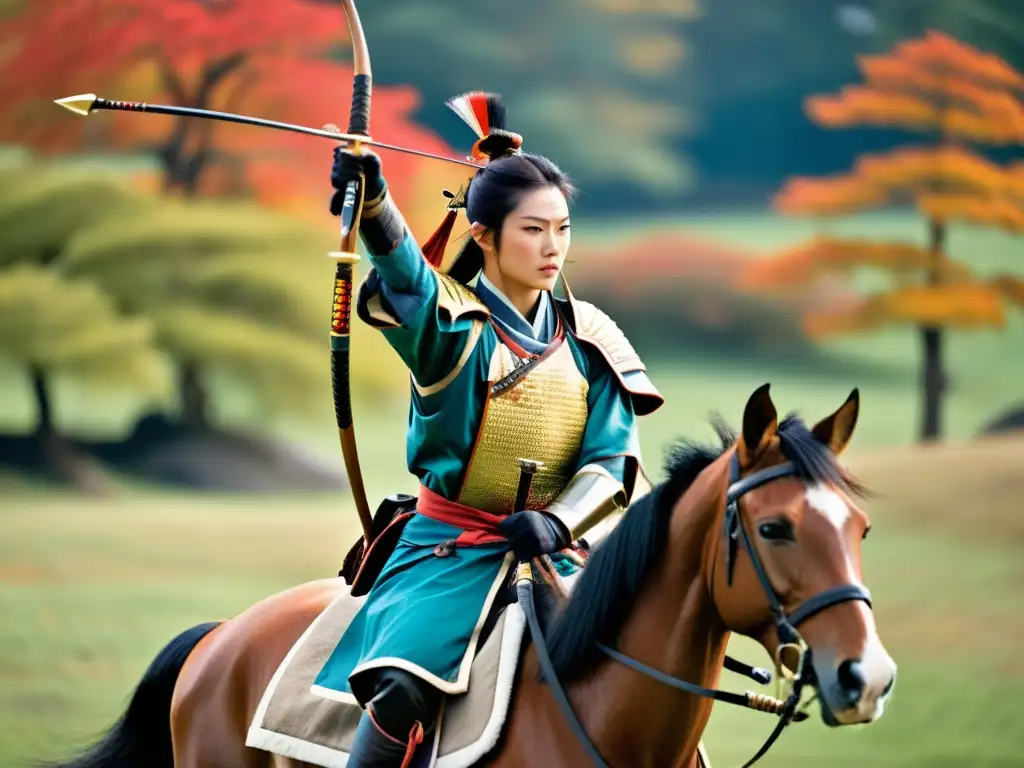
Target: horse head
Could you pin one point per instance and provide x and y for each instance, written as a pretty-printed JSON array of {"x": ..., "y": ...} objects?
[{"x": 787, "y": 569}]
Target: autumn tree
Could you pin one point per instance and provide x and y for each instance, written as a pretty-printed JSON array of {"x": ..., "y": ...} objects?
[
  {"x": 960, "y": 99},
  {"x": 274, "y": 60}
]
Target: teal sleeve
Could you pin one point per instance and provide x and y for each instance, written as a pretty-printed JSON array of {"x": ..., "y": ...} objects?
[
  {"x": 406, "y": 271},
  {"x": 406, "y": 287},
  {"x": 611, "y": 438}
]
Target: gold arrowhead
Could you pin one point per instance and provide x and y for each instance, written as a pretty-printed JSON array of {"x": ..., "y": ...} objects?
[{"x": 80, "y": 104}]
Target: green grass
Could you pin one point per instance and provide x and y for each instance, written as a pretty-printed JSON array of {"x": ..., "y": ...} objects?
[{"x": 90, "y": 591}]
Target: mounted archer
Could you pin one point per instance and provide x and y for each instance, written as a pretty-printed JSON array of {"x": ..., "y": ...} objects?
[
  {"x": 760, "y": 535},
  {"x": 502, "y": 367}
]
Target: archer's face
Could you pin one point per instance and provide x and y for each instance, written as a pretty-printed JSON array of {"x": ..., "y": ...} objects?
[{"x": 535, "y": 240}]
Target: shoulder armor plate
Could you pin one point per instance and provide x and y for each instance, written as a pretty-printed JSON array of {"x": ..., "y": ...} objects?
[
  {"x": 458, "y": 300},
  {"x": 595, "y": 327}
]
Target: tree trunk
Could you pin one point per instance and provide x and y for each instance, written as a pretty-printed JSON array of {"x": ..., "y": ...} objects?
[
  {"x": 44, "y": 404},
  {"x": 933, "y": 375},
  {"x": 183, "y": 166},
  {"x": 933, "y": 382},
  {"x": 195, "y": 405},
  {"x": 55, "y": 455}
]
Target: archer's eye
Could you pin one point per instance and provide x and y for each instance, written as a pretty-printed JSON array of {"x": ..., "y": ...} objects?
[
  {"x": 866, "y": 532},
  {"x": 776, "y": 530}
]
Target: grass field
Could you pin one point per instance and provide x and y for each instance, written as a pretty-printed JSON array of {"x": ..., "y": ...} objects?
[{"x": 89, "y": 591}]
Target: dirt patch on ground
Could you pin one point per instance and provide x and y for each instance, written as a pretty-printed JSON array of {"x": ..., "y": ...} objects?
[
  {"x": 969, "y": 490},
  {"x": 21, "y": 574}
]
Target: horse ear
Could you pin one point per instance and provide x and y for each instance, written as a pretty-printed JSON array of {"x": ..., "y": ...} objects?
[
  {"x": 760, "y": 421},
  {"x": 836, "y": 430}
]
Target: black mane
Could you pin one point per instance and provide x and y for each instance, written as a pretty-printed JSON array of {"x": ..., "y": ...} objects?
[{"x": 617, "y": 568}]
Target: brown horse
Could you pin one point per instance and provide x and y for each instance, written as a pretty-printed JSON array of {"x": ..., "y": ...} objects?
[{"x": 687, "y": 565}]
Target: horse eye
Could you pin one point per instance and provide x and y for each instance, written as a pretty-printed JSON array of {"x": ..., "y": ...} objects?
[{"x": 776, "y": 530}]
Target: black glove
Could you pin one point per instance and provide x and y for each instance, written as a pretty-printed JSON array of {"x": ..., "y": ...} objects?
[
  {"x": 532, "y": 534},
  {"x": 347, "y": 167},
  {"x": 381, "y": 226}
]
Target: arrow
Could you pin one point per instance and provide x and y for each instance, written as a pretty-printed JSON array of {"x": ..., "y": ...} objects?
[{"x": 86, "y": 103}]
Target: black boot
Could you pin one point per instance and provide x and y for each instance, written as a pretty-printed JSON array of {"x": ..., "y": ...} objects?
[{"x": 374, "y": 748}]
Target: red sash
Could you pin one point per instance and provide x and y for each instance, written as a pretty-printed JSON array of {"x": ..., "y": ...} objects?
[{"x": 479, "y": 527}]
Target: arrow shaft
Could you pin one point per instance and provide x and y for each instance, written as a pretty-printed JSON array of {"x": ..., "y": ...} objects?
[{"x": 231, "y": 117}]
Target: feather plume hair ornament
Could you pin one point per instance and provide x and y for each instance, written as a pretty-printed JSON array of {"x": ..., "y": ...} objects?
[{"x": 484, "y": 113}]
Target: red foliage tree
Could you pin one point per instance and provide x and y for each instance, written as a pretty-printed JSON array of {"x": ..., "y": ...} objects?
[
  {"x": 267, "y": 59},
  {"x": 681, "y": 288},
  {"x": 960, "y": 97}
]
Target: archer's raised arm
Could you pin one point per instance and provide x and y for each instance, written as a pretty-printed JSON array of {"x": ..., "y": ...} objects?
[{"x": 403, "y": 295}]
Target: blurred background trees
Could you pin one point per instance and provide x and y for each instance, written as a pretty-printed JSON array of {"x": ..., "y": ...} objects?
[
  {"x": 196, "y": 249},
  {"x": 233, "y": 293},
  {"x": 601, "y": 86},
  {"x": 165, "y": 296},
  {"x": 959, "y": 98},
  {"x": 54, "y": 324}
]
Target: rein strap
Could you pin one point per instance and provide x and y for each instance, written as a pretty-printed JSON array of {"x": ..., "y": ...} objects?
[{"x": 785, "y": 625}]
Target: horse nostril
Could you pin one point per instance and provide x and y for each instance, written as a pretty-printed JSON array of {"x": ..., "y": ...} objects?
[
  {"x": 851, "y": 679},
  {"x": 889, "y": 685}
]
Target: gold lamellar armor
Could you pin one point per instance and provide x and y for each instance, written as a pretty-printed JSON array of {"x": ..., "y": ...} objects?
[{"x": 543, "y": 416}]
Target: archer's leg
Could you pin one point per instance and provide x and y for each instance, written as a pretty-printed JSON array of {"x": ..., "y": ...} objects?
[{"x": 400, "y": 715}]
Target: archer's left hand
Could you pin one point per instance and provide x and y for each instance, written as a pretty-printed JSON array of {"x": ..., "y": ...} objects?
[{"x": 531, "y": 534}]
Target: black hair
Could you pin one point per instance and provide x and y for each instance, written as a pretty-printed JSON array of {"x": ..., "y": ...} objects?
[{"x": 495, "y": 192}]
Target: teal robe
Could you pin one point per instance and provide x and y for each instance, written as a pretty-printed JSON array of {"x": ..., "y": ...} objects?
[{"x": 425, "y": 612}]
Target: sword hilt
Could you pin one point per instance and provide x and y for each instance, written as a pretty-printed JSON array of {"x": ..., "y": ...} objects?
[{"x": 527, "y": 469}]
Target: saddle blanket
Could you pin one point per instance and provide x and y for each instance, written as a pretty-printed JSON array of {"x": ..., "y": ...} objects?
[{"x": 294, "y": 722}]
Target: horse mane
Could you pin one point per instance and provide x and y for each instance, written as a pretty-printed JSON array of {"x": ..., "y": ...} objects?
[{"x": 618, "y": 567}]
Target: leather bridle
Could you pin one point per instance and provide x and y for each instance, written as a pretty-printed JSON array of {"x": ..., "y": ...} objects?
[{"x": 785, "y": 624}]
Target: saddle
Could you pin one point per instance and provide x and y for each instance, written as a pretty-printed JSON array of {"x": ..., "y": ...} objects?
[{"x": 293, "y": 721}]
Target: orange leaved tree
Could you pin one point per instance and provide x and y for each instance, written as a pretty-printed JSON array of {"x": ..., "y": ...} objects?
[
  {"x": 959, "y": 99},
  {"x": 272, "y": 60}
]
